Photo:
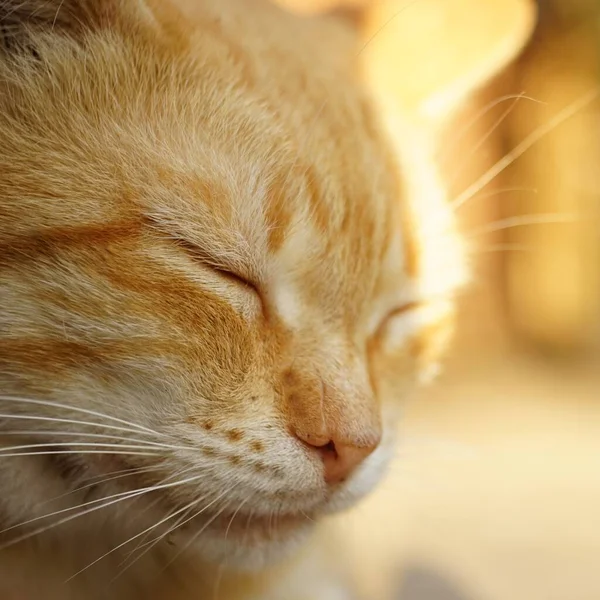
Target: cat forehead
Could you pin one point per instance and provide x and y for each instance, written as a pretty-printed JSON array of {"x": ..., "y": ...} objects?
[
  {"x": 312, "y": 226},
  {"x": 315, "y": 219},
  {"x": 286, "y": 199}
]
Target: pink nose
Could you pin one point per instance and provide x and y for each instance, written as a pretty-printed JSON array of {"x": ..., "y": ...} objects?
[{"x": 340, "y": 459}]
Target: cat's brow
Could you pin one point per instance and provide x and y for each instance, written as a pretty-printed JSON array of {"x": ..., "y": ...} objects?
[{"x": 221, "y": 250}]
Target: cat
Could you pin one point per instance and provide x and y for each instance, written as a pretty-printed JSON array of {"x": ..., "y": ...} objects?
[{"x": 214, "y": 297}]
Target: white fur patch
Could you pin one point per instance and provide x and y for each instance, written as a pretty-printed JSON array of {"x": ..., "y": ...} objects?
[
  {"x": 300, "y": 245},
  {"x": 287, "y": 303},
  {"x": 406, "y": 325}
]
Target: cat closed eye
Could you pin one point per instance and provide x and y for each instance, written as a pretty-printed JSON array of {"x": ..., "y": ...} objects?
[
  {"x": 200, "y": 256},
  {"x": 235, "y": 278},
  {"x": 401, "y": 322},
  {"x": 403, "y": 310}
]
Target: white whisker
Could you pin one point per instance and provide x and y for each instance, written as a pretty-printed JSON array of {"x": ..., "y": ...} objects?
[
  {"x": 74, "y": 445},
  {"x": 153, "y": 542},
  {"x": 42, "y": 432},
  {"x": 143, "y": 543},
  {"x": 235, "y": 514},
  {"x": 564, "y": 115},
  {"x": 307, "y": 517},
  {"x": 203, "y": 528},
  {"x": 153, "y": 503},
  {"x": 483, "y": 112},
  {"x": 525, "y": 220},
  {"x": 78, "y": 409},
  {"x": 131, "y": 539},
  {"x": 178, "y": 525},
  {"x": 44, "y": 453},
  {"x": 68, "y": 421},
  {"x": 473, "y": 151},
  {"x": 14, "y": 541},
  {"x": 113, "y": 500},
  {"x": 99, "y": 481},
  {"x": 504, "y": 190}
]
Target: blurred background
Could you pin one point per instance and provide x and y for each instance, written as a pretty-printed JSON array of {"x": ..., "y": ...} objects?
[{"x": 496, "y": 490}]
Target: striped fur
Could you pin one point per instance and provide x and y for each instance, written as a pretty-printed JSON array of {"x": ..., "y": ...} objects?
[{"x": 204, "y": 235}]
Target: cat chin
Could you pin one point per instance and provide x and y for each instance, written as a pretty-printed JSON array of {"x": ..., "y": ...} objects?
[
  {"x": 255, "y": 551},
  {"x": 250, "y": 542}
]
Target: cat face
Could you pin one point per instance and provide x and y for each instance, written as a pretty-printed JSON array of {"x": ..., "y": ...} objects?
[{"x": 210, "y": 268}]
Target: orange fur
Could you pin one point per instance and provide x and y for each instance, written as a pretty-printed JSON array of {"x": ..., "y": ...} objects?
[{"x": 203, "y": 235}]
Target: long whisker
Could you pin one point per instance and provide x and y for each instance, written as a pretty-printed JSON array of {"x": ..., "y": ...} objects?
[
  {"x": 150, "y": 505},
  {"x": 178, "y": 525},
  {"x": 99, "y": 481},
  {"x": 458, "y": 137},
  {"x": 202, "y": 529},
  {"x": 113, "y": 500},
  {"x": 270, "y": 521},
  {"x": 564, "y": 115},
  {"x": 153, "y": 542},
  {"x": 69, "y": 421},
  {"x": 74, "y": 445},
  {"x": 129, "y": 561},
  {"x": 131, "y": 539},
  {"x": 80, "y": 410},
  {"x": 525, "y": 220},
  {"x": 143, "y": 543},
  {"x": 126, "y": 496},
  {"x": 44, "y": 453},
  {"x": 234, "y": 515},
  {"x": 90, "y": 435},
  {"x": 60, "y": 5},
  {"x": 467, "y": 159},
  {"x": 307, "y": 517},
  {"x": 504, "y": 190}
]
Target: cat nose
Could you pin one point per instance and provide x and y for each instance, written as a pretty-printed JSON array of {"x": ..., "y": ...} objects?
[{"x": 340, "y": 459}]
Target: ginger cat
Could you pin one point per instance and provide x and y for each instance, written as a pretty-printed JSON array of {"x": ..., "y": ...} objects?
[{"x": 214, "y": 298}]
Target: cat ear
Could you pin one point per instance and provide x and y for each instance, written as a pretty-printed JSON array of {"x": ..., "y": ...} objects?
[
  {"x": 427, "y": 56},
  {"x": 20, "y": 20}
]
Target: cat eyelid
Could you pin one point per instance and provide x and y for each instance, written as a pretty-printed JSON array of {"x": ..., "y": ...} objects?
[
  {"x": 225, "y": 271},
  {"x": 403, "y": 309},
  {"x": 232, "y": 276},
  {"x": 399, "y": 311}
]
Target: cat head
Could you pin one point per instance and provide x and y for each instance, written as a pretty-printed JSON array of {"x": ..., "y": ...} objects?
[{"x": 210, "y": 271}]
